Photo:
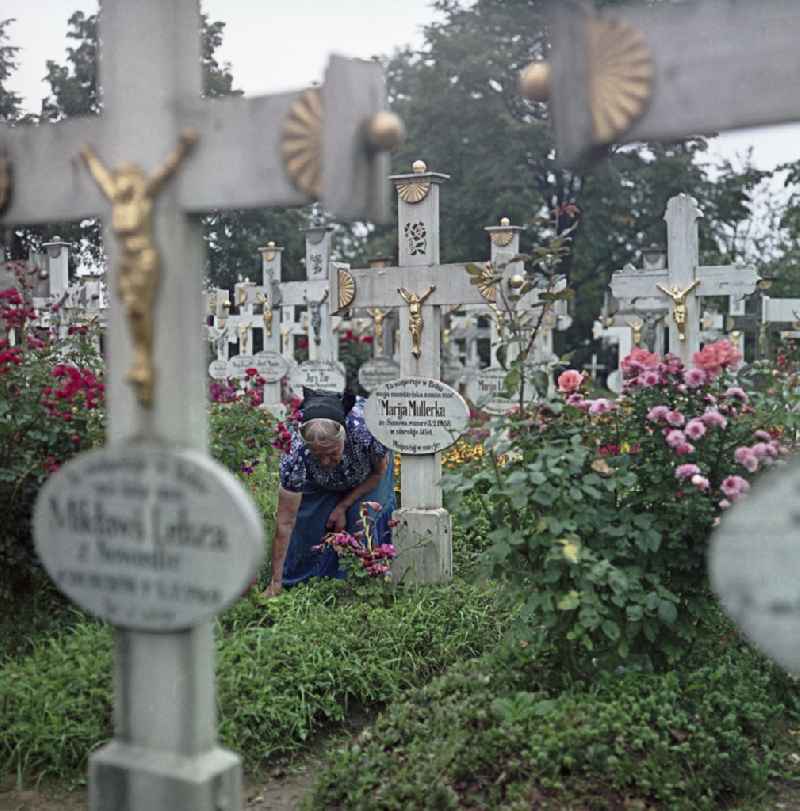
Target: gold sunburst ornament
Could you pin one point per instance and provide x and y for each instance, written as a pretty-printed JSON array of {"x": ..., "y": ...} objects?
[
  {"x": 503, "y": 238},
  {"x": 347, "y": 289},
  {"x": 301, "y": 143},
  {"x": 620, "y": 77},
  {"x": 415, "y": 190},
  {"x": 484, "y": 278}
]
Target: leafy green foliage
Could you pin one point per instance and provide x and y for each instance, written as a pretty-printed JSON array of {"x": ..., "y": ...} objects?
[
  {"x": 600, "y": 520},
  {"x": 503, "y": 733},
  {"x": 286, "y": 667}
]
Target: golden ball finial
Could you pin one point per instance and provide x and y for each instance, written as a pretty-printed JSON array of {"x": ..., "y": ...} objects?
[
  {"x": 505, "y": 222},
  {"x": 385, "y": 131},
  {"x": 535, "y": 81},
  {"x": 419, "y": 167},
  {"x": 271, "y": 243},
  {"x": 516, "y": 281}
]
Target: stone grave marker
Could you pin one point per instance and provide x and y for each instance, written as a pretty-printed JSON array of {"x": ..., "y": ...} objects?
[
  {"x": 151, "y": 184},
  {"x": 420, "y": 287},
  {"x": 684, "y": 280},
  {"x": 378, "y": 371}
]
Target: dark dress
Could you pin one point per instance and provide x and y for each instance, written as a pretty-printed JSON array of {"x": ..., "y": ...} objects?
[{"x": 323, "y": 488}]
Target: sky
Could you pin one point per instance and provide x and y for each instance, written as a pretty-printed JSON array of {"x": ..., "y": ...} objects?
[{"x": 274, "y": 46}]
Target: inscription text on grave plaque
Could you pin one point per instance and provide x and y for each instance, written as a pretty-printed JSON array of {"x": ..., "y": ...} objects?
[
  {"x": 416, "y": 415},
  {"x": 148, "y": 538}
]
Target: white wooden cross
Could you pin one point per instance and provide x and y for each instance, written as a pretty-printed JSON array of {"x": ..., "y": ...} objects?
[
  {"x": 245, "y": 154},
  {"x": 622, "y": 337},
  {"x": 645, "y": 74},
  {"x": 420, "y": 287},
  {"x": 684, "y": 281}
]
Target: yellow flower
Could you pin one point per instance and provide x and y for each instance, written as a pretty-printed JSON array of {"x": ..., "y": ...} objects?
[{"x": 570, "y": 550}]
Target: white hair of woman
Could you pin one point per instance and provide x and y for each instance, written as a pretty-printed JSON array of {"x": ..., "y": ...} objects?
[{"x": 322, "y": 433}]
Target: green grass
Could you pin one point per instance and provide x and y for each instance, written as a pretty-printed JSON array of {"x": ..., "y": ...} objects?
[{"x": 286, "y": 669}]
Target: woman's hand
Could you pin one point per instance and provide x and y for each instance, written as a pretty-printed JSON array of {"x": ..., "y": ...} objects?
[
  {"x": 337, "y": 520},
  {"x": 274, "y": 589}
]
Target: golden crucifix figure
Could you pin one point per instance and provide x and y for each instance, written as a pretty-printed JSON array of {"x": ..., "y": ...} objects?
[
  {"x": 377, "y": 317},
  {"x": 636, "y": 325},
  {"x": 415, "y": 324},
  {"x": 132, "y": 195},
  {"x": 678, "y": 297},
  {"x": 266, "y": 309}
]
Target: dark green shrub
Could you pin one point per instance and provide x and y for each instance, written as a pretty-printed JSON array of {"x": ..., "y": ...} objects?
[{"x": 499, "y": 733}]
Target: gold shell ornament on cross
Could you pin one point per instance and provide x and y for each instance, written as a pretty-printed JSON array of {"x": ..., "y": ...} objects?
[
  {"x": 484, "y": 278},
  {"x": 347, "y": 290},
  {"x": 502, "y": 238},
  {"x": 620, "y": 70},
  {"x": 132, "y": 194},
  {"x": 301, "y": 139},
  {"x": 415, "y": 190},
  {"x": 6, "y": 183}
]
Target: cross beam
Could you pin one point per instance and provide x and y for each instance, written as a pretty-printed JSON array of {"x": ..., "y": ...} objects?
[{"x": 640, "y": 74}]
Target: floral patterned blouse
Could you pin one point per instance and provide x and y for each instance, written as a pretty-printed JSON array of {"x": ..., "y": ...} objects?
[{"x": 299, "y": 469}]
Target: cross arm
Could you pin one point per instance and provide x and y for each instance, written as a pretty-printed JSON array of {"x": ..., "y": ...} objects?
[
  {"x": 727, "y": 280},
  {"x": 716, "y": 65},
  {"x": 780, "y": 310},
  {"x": 51, "y": 182},
  {"x": 377, "y": 287},
  {"x": 239, "y": 162}
]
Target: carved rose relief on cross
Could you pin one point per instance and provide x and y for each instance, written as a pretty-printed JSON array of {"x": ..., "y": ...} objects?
[
  {"x": 316, "y": 263},
  {"x": 417, "y": 238}
]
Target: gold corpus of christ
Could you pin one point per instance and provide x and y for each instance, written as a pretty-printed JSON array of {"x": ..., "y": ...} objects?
[
  {"x": 415, "y": 323},
  {"x": 678, "y": 297},
  {"x": 132, "y": 196}
]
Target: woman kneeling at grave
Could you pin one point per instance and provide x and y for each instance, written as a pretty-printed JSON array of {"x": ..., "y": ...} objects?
[{"x": 333, "y": 465}]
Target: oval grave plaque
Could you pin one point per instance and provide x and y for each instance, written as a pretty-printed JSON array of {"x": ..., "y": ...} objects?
[
  {"x": 322, "y": 375},
  {"x": 490, "y": 385},
  {"x": 238, "y": 364},
  {"x": 378, "y": 371},
  {"x": 148, "y": 538},
  {"x": 416, "y": 415},
  {"x": 272, "y": 366},
  {"x": 218, "y": 369},
  {"x": 754, "y": 560}
]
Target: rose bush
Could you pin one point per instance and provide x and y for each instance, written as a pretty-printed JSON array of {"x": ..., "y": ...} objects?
[
  {"x": 601, "y": 509},
  {"x": 51, "y": 407}
]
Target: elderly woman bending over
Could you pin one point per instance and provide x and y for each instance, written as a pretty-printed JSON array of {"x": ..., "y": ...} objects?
[{"x": 334, "y": 463}]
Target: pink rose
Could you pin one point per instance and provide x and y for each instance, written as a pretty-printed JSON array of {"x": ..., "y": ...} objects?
[
  {"x": 675, "y": 438},
  {"x": 569, "y": 381},
  {"x": 701, "y": 482},
  {"x": 686, "y": 471},
  {"x": 694, "y": 378},
  {"x": 714, "y": 358},
  {"x": 658, "y": 413},
  {"x": 695, "y": 429},
  {"x": 675, "y": 418}
]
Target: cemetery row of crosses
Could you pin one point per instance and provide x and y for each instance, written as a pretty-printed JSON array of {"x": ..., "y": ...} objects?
[{"x": 526, "y": 579}]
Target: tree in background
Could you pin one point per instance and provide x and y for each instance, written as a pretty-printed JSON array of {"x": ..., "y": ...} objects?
[
  {"x": 9, "y": 101},
  {"x": 458, "y": 97}
]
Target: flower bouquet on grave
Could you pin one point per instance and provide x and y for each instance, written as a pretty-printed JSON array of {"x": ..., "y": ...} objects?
[{"x": 359, "y": 553}]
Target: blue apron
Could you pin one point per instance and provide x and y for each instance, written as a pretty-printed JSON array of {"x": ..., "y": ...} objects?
[{"x": 315, "y": 509}]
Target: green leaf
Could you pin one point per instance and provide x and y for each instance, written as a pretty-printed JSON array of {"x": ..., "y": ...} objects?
[
  {"x": 611, "y": 630},
  {"x": 569, "y": 602},
  {"x": 667, "y": 612}
]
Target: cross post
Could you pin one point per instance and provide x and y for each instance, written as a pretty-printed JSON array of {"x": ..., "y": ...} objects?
[{"x": 149, "y": 183}]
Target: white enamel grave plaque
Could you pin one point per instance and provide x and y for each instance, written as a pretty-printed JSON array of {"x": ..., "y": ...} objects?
[
  {"x": 272, "y": 366},
  {"x": 148, "y": 538},
  {"x": 754, "y": 563},
  {"x": 218, "y": 369},
  {"x": 378, "y": 371},
  {"x": 416, "y": 415},
  {"x": 490, "y": 384},
  {"x": 238, "y": 364},
  {"x": 320, "y": 375}
]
